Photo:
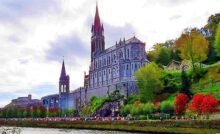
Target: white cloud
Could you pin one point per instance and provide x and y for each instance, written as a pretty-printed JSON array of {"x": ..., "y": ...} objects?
[{"x": 26, "y": 39}]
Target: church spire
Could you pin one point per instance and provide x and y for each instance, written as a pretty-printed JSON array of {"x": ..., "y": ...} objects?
[
  {"x": 97, "y": 22},
  {"x": 63, "y": 71},
  {"x": 97, "y": 38}
]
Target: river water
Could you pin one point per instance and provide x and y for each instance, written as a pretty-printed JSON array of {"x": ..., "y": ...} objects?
[{"x": 67, "y": 131}]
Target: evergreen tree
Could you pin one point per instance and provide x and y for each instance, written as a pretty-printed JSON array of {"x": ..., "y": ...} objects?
[
  {"x": 217, "y": 40},
  {"x": 185, "y": 83}
]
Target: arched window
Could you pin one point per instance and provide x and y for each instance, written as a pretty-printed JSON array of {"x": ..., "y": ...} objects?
[
  {"x": 120, "y": 55},
  {"x": 128, "y": 53}
]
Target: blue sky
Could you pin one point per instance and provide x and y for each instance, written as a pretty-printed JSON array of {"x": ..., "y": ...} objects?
[{"x": 36, "y": 34}]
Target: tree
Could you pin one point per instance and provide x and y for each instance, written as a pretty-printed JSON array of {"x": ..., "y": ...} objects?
[
  {"x": 148, "y": 81},
  {"x": 209, "y": 104},
  {"x": 203, "y": 104},
  {"x": 180, "y": 103},
  {"x": 153, "y": 54},
  {"x": 192, "y": 46},
  {"x": 217, "y": 40},
  {"x": 195, "y": 105},
  {"x": 185, "y": 83},
  {"x": 164, "y": 56}
]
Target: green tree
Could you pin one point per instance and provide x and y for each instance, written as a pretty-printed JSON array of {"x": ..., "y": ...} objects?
[
  {"x": 185, "y": 83},
  {"x": 153, "y": 54},
  {"x": 217, "y": 40},
  {"x": 164, "y": 56},
  {"x": 192, "y": 46},
  {"x": 148, "y": 81}
]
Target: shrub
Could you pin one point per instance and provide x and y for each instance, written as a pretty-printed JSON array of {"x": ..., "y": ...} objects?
[
  {"x": 166, "y": 107},
  {"x": 180, "y": 103},
  {"x": 148, "y": 108}
]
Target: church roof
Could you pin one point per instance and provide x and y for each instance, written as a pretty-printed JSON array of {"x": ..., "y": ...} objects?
[{"x": 133, "y": 40}]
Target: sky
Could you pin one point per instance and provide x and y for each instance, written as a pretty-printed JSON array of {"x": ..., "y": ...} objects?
[{"x": 36, "y": 35}]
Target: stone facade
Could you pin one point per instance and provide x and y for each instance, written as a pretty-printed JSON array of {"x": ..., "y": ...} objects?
[
  {"x": 24, "y": 102},
  {"x": 110, "y": 69}
]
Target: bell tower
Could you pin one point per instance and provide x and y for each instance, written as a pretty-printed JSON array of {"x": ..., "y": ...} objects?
[
  {"x": 64, "y": 81},
  {"x": 64, "y": 88},
  {"x": 97, "y": 38}
]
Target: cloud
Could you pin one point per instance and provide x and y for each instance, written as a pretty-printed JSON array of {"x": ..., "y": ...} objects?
[
  {"x": 11, "y": 10},
  {"x": 175, "y": 17},
  {"x": 36, "y": 34},
  {"x": 68, "y": 47}
]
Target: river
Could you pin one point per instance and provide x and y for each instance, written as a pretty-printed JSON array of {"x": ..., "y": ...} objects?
[{"x": 66, "y": 131}]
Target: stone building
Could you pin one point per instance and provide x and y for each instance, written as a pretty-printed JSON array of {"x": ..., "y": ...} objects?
[
  {"x": 110, "y": 69},
  {"x": 24, "y": 102}
]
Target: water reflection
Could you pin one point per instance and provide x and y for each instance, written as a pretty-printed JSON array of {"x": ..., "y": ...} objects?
[{"x": 67, "y": 131}]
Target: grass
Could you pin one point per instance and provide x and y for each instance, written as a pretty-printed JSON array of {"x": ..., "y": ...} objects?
[
  {"x": 168, "y": 126},
  {"x": 210, "y": 89}
]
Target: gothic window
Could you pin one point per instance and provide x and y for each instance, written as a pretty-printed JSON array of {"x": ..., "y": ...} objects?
[
  {"x": 127, "y": 66},
  {"x": 109, "y": 59},
  {"x": 64, "y": 88},
  {"x": 128, "y": 53},
  {"x": 135, "y": 52},
  {"x": 120, "y": 55}
]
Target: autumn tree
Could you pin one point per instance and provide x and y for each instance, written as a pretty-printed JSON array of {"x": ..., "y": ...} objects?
[
  {"x": 192, "y": 46},
  {"x": 217, "y": 40},
  {"x": 209, "y": 104},
  {"x": 195, "y": 105},
  {"x": 203, "y": 104},
  {"x": 180, "y": 103},
  {"x": 148, "y": 81}
]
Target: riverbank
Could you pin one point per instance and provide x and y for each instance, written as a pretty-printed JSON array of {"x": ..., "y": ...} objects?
[{"x": 169, "y": 126}]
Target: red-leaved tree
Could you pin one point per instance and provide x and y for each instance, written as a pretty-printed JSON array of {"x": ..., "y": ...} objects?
[
  {"x": 180, "y": 103},
  {"x": 195, "y": 106},
  {"x": 203, "y": 104},
  {"x": 209, "y": 104}
]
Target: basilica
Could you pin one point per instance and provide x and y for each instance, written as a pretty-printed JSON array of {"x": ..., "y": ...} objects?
[{"x": 110, "y": 68}]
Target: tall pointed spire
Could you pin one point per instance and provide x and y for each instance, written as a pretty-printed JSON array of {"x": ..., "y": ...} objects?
[
  {"x": 63, "y": 71},
  {"x": 97, "y": 22}
]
